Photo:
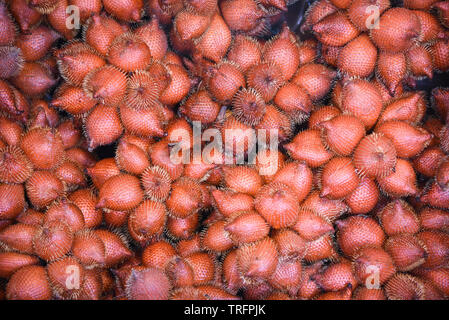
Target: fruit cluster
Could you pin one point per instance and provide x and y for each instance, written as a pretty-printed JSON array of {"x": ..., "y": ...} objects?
[{"x": 355, "y": 205}]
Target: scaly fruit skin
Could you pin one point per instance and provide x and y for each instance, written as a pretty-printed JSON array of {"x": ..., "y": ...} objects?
[{"x": 359, "y": 179}]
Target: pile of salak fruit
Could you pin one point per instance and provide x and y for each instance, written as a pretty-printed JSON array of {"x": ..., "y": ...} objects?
[{"x": 106, "y": 191}]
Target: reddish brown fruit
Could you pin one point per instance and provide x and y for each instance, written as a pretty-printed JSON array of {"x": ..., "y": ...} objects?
[
  {"x": 360, "y": 14},
  {"x": 86, "y": 201},
  {"x": 322, "y": 248},
  {"x": 12, "y": 61},
  {"x": 58, "y": 18},
  {"x": 400, "y": 183},
  {"x": 35, "y": 44},
  {"x": 7, "y": 27},
  {"x": 88, "y": 249},
  {"x": 307, "y": 146},
  {"x": 247, "y": 227},
  {"x": 200, "y": 107},
  {"x": 156, "y": 183},
  {"x": 178, "y": 87},
  {"x": 290, "y": 245},
  {"x": 338, "y": 178},
  {"x": 229, "y": 202},
  {"x": 143, "y": 90},
  {"x": 73, "y": 100},
  {"x": 245, "y": 52},
  {"x": 185, "y": 198},
  {"x": 311, "y": 226},
  {"x": 107, "y": 85},
  {"x": 231, "y": 276},
  {"x": 335, "y": 30},
  {"x": 160, "y": 156},
  {"x": 266, "y": 78},
  {"x": 158, "y": 255},
  {"x": 65, "y": 210},
  {"x": 12, "y": 202},
  {"x": 277, "y": 121},
  {"x": 322, "y": 114},
  {"x": 128, "y": 10},
  {"x": 102, "y": 171},
  {"x": 329, "y": 209},
  {"x": 70, "y": 133},
  {"x": 442, "y": 175},
  {"x": 59, "y": 276},
  {"x": 431, "y": 218},
  {"x": 375, "y": 156},
  {"x": 283, "y": 51},
  {"x": 120, "y": 192},
  {"x": 131, "y": 158},
  {"x": 102, "y": 126},
  {"x": 19, "y": 237},
  {"x": 398, "y": 28},
  {"x": 30, "y": 216},
  {"x": 215, "y": 41},
  {"x": 14, "y": 165},
  {"x": 342, "y": 133},
  {"x": 364, "y": 198},
  {"x": 216, "y": 237},
  {"x": 336, "y": 277},
  {"x": 439, "y": 279},
  {"x": 203, "y": 267},
  {"x": 420, "y": 61},
  {"x": 399, "y": 217},
  {"x": 308, "y": 288},
  {"x": 369, "y": 260},
  {"x": 52, "y": 240},
  {"x": 408, "y": 107},
  {"x": 224, "y": 80},
  {"x": 71, "y": 174},
  {"x": 391, "y": 69},
  {"x": 287, "y": 276},
  {"x": 116, "y": 249},
  {"x": 316, "y": 79},
  {"x": 362, "y": 99},
  {"x": 440, "y": 54},
  {"x": 154, "y": 37},
  {"x": 129, "y": 53},
  {"x": 43, "y": 147},
  {"x": 25, "y": 15},
  {"x": 357, "y": 232},
  {"x": 147, "y": 220},
  {"x": 403, "y": 286},
  {"x": 330, "y": 54},
  {"x": 363, "y": 293},
  {"x": 258, "y": 260},
  {"x": 42, "y": 188},
  {"x": 76, "y": 60},
  {"x": 407, "y": 251},
  {"x": 148, "y": 122},
  {"x": 294, "y": 100},
  {"x": 277, "y": 204},
  {"x": 29, "y": 283},
  {"x": 297, "y": 176},
  {"x": 316, "y": 12},
  {"x": 242, "y": 179},
  {"x": 241, "y": 16},
  {"x": 147, "y": 284},
  {"x": 10, "y": 262},
  {"x": 437, "y": 248},
  {"x": 358, "y": 57},
  {"x": 99, "y": 32}
]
